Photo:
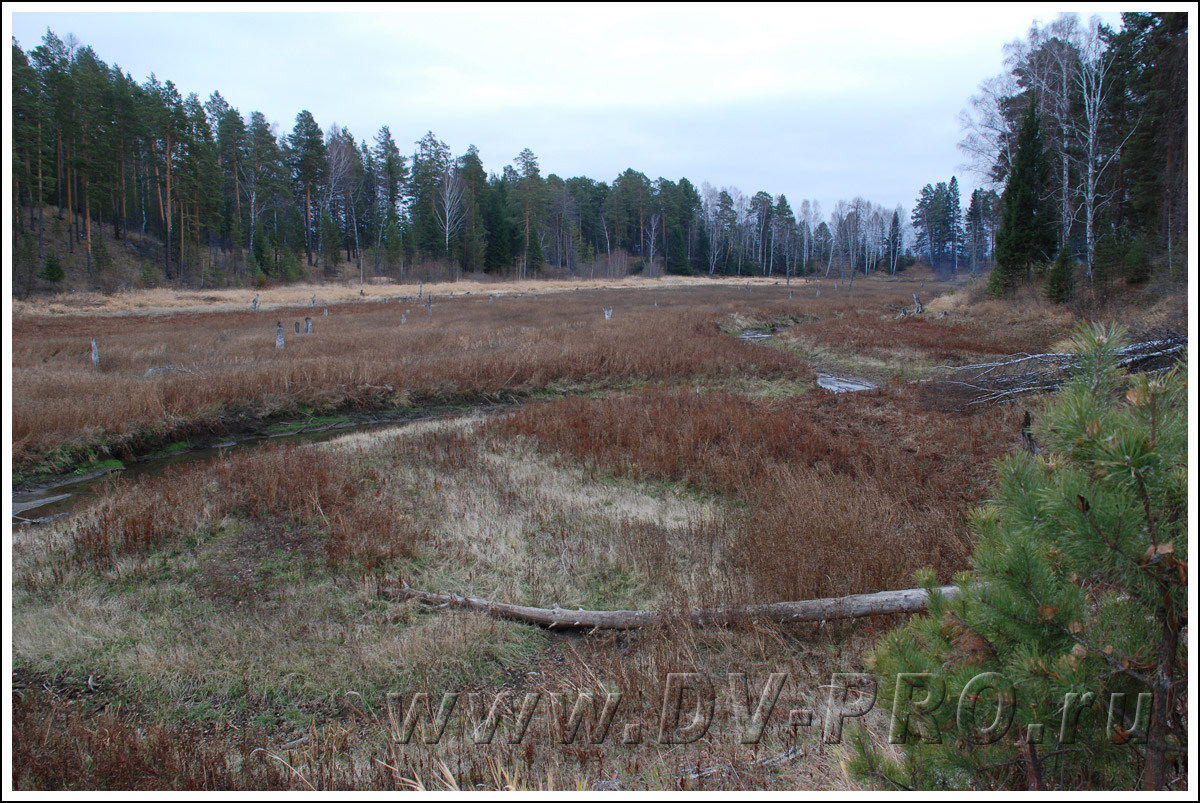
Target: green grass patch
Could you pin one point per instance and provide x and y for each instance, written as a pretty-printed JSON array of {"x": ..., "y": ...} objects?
[
  {"x": 312, "y": 422},
  {"x": 170, "y": 450},
  {"x": 103, "y": 465}
]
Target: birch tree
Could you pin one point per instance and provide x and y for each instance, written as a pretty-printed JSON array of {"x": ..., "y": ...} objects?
[
  {"x": 448, "y": 205},
  {"x": 1097, "y": 155}
]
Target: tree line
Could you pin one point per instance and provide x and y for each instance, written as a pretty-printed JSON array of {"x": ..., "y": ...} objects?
[
  {"x": 197, "y": 193},
  {"x": 210, "y": 197}
]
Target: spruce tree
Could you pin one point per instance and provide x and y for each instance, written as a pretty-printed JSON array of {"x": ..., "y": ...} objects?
[
  {"x": 1060, "y": 663},
  {"x": 1027, "y": 228},
  {"x": 1060, "y": 281}
]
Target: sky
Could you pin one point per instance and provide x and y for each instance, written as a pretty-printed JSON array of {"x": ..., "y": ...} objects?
[{"x": 824, "y": 102}]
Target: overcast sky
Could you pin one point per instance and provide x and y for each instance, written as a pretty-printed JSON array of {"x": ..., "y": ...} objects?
[{"x": 821, "y": 102}]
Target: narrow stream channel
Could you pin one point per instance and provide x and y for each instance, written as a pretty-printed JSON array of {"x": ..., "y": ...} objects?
[
  {"x": 68, "y": 494},
  {"x": 837, "y": 384}
]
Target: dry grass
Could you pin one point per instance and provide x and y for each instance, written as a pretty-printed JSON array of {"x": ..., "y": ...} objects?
[
  {"x": 360, "y": 356},
  {"x": 847, "y": 494},
  {"x": 219, "y": 626},
  {"x": 169, "y": 301},
  {"x": 231, "y": 623}
]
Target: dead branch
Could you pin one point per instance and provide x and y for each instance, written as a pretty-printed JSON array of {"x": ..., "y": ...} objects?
[
  {"x": 909, "y": 600},
  {"x": 1020, "y": 374}
]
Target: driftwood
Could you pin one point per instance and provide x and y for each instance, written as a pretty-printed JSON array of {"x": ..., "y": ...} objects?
[
  {"x": 1018, "y": 374},
  {"x": 910, "y": 600},
  {"x": 916, "y": 309}
]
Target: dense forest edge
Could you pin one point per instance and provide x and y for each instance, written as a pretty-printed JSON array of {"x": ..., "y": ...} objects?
[{"x": 120, "y": 185}]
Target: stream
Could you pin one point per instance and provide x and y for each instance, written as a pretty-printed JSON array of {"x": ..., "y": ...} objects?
[
  {"x": 837, "y": 384},
  {"x": 62, "y": 496}
]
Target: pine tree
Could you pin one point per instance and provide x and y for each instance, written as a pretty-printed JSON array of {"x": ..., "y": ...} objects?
[
  {"x": 954, "y": 222},
  {"x": 1027, "y": 232},
  {"x": 530, "y": 191},
  {"x": 1060, "y": 662},
  {"x": 306, "y": 157}
]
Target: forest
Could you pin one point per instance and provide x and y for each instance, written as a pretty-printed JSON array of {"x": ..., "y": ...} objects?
[{"x": 194, "y": 193}]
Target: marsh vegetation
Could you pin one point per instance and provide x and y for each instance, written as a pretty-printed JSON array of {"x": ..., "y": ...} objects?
[{"x": 221, "y": 624}]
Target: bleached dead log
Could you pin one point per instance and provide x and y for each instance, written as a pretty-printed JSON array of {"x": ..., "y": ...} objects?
[
  {"x": 279, "y": 334},
  {"x": 909, "y": 600},
  {"x": 607, "y": 313},
  {"x": 95, "y": 353},
  {"x": 918, "y": 307},
  {"x": 307, "y": 325}
]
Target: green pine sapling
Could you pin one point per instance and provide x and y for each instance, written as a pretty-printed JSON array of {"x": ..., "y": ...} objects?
[{"x": 1061, "y": 664}]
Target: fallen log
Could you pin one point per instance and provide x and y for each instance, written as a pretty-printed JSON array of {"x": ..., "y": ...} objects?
[
  {"x": 909, "y": 600},
  {"x": 1018, "y": 374}
]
